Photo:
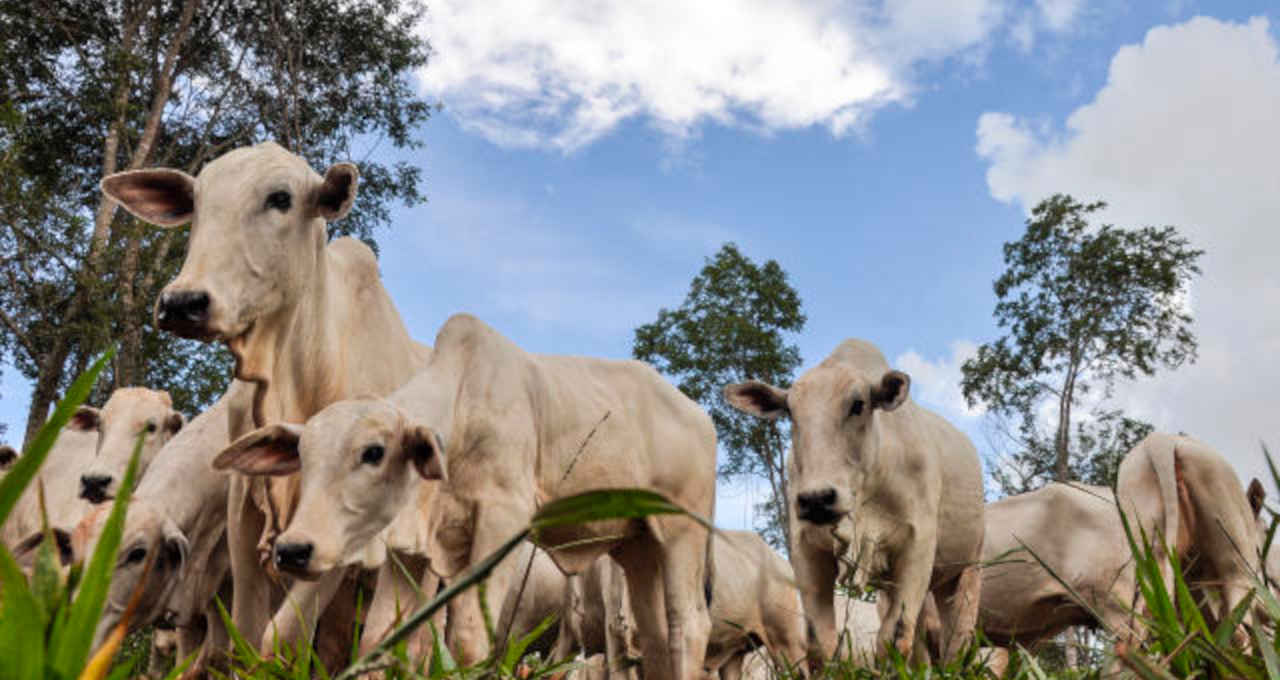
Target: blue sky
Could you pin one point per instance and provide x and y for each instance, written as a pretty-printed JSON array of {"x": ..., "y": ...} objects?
[{"x": 583, "y": 168}]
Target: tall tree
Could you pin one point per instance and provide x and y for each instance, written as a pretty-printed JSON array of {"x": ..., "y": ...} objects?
[
  {"x": 731, "y": 328},
  {"x": 93, "y": 87},
  {"x": 1083, "y": 306}
]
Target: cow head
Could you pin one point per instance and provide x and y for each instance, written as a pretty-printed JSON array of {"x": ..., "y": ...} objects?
[
  {"x": 360, "y": 461},
  {"x": 834, "y": 431},
  {"x": 149, "y": 536},
  {"x": 131, "y": 411},
  {"x": 257, "y": 219}
]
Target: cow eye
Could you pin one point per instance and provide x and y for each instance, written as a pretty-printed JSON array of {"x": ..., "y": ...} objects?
[
  {"x": 280, "y": 200},
  {"x": 372, "y": 455},
  {"x": 136, "y": 555},
  {"x": 151, "y": 426},
  {"x": 856, "y": 408}
]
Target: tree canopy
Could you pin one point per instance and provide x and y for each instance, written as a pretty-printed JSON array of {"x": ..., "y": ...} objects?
[
  {"x": 1083, "y": 307},
  {"x": 732, "y": 327},
  {"x": 91, "y": 88}
]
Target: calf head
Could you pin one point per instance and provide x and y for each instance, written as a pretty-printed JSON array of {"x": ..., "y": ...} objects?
[
  {"x": 257, "y": 219},
  {"x": 360, "y": 462},
  {"x": 149, "y": 538},
  {"x": 131, "y": 411},
  {"x": 834, "y": 432}
]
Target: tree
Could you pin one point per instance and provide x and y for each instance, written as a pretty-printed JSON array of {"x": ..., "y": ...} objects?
[
  {"x": 93, "y": 87},
  {"x": 729, "y": 329},
  {"x": 1083, "y": 308}
]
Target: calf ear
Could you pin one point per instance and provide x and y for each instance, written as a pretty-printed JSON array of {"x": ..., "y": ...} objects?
[
  {"x": 176, "y": 548},
  {"x": 163, "y": 197},
  {"x": 7, "y": 455},
  {"x": 270, "y": 450},
  {"x": 86, "y": 418},
  {"x": 334, "y": 196},
  {"x": 425, "y": 449},
  {"x": 24, "y": 553},
  {"x": 174, "y": 422},
  {"x": 1257, "y": 496},
  {"x": 892, "y": 391},
  {"x": 758, "y": 399}
]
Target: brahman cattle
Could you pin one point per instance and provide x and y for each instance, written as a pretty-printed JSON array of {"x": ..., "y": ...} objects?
[
  {"x": 510, "y": 431},
  {"x": 1188, "y": 498},
  {"x": 59, "y": 476},
  {"x": 129, "y": 412},
  {"x": 307, "y": 324},
  {"x": 883, "y": 483}
]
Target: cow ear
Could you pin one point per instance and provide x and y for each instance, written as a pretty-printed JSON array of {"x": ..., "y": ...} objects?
[
  {"x": 24, "y": 553},
  {"x": 176, "y": 548},
  {"x": 86, "y": 418},
  {"x": 7, "y": 455},
  {"x": 270, "y": 450},
  {"x": 891, "y": 392},
  {"x": 758, "y": 399},
  {"x": 163, "y": 197},
  {"x": 425, "y": 449},
  {"x": 174, "y": 422},
  {"x": 1257, "y": 496},
  {"x": 334, "y": 196}
]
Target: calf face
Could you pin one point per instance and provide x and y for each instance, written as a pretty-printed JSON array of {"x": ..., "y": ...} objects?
[
  {"x": 257, "y": 234},
  {"x": 834, "y": 439},
  {"x": 129, "y": 412},
  {"x": 359, "y": 462}
]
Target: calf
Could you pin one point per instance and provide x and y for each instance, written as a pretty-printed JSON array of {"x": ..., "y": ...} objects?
[
  {"x": 882, "y": 482},
  {"x": 129, "y": 412},
  {"x": 517, "y": 430}
]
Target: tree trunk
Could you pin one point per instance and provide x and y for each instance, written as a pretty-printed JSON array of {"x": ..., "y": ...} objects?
[
  {"x": 46, "y": 388},
  {"x": 1062, "y": 438}
]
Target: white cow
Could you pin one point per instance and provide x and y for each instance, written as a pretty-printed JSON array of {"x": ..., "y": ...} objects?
[
  {"x": 129, "y": 411},
  {"x": 882, "y": 482},
  {"x": 1188, "y": 497},
  {"x": 307, "y": 324},
  {"x": 60, "y": 478},
  {"x": 519, "y": 430}
]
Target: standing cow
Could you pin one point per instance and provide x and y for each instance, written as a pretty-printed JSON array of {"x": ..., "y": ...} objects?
[
  {"x": 307, "y": 323},
  {"x": 882, "y": 482},
  {"x": 1188, "y": 498},
  {"x": 510, "y": 431}
]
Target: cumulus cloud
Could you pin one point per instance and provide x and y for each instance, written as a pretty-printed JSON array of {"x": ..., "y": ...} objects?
[
  {"x": 549, "y": 74},
  {"x": 1183, "y": 133},
  {"x": 936, "y": 382}
]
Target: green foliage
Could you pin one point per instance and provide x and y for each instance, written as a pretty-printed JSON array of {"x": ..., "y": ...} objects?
[
  {"x": 87, "y": 88},
  {"x": 731, "y": 327},
  {"x": 1083, "y": 307}
]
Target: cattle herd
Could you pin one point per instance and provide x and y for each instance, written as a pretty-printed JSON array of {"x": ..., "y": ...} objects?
[{"x": 346, "y": 456}]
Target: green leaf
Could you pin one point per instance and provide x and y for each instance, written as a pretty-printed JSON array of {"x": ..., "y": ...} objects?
[
  {"x": 70, "y": 644},
  {"x": 605, "y": 504},
  {"x": 21, "y": 641},
  {"x": 515, "y": 650}
]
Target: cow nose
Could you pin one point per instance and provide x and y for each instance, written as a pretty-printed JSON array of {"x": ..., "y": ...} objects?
[
  {"x": 182, "y": 309},
  {"x": 93, "y": 488},
  {"x": 293, "y": 556},
  {"x": 817, "y": 506}
]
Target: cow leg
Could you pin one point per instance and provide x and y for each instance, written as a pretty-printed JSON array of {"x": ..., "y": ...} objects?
[
  {"x": 683, "y": 577},
  {"x": 996, "y": 660},
  {"x": 958, "y": 611},
  {"x": 397, "y": 595},
  {"x": 465, "y": 632},
  {"x": 294, "y": 624},
  {"x": 639, "y": 558},
  {"x": 732, "y": 668},
  {"x": 816, "y": 576},
  {"x": 250, "y": 602},
  {"x": 909, "y": 583}
]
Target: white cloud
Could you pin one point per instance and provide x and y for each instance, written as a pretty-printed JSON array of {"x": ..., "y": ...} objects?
[
  {"x": 936, "y": 383},
  {"x": 550, "y": 74},
  {"x": 1184, "y": 132}
]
